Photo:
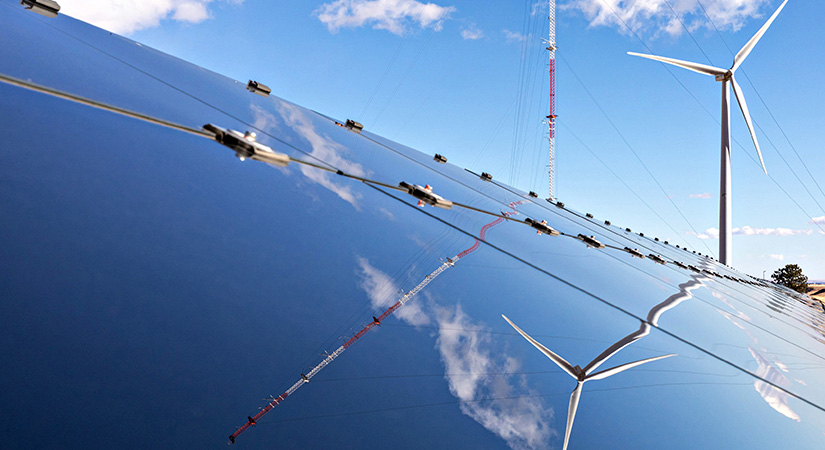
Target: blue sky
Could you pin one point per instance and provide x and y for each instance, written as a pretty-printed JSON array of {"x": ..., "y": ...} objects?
[{"x": 468, "y": 80}]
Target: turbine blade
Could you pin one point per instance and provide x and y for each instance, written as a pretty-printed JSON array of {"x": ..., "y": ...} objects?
[
  {"x": 571, "y": 412},
  {"x": 696, "y": 67},
  {"x": 737, "y": 91},
  {"x": 609, "y": 372},
  {"x": 737, "y": 61},
  {"x": 564, "y": 365}
]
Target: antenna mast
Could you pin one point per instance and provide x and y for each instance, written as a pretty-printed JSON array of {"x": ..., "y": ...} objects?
[{"x": 551, "y": 117}]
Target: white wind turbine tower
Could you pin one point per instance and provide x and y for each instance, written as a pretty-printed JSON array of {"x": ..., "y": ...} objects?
[{"x": 725, "y": 76}]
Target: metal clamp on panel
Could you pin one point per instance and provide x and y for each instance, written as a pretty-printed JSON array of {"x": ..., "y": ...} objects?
[
  {"x": 425, "y": 195},
  {"x": 635, "y": 252},
  {"x": 589, "y": 216},
  {"x": 46, "y": 8},
  {"x": 439, "y": 158},
  {"x": 533, "y": 194},
  {"x": 681, "y": 265},
  {"x": 657, "y": 259},
  {"x": 541, "y": 227},
  {"x": 354, "y": 126},
  {"x": 590, "y": 241},
  {"x": 694, "y": 268},
  {"x": 245, "y": 146},
  {"x": 258, "y": 88},
  {"x": 486, "y": 176}
]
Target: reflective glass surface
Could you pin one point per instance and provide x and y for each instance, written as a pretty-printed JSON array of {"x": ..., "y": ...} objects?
[{"x": 158, "y": 291}]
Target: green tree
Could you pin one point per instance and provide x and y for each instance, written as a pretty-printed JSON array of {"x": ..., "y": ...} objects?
[{"x": 791, "y": 276}]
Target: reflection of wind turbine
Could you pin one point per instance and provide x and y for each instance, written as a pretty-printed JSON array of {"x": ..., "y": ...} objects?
[
  {"x": 586, "y": 374},
  {"x": 725, "y": 76}
]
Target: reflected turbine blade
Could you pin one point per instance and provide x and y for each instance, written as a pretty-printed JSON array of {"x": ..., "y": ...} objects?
[
  {"x": 737, "y": 61},
  {"x": 737, "y": 91},
  {"x": 564, "y": 365},
  {"x": 571, "y": 412},
  {"x": 696, "y": 67},
  {"x": 609, "y": 372},
  {"x": 613, "y": 349}
]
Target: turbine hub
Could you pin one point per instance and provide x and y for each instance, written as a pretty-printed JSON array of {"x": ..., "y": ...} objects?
[{"x": 725, "y": 76}]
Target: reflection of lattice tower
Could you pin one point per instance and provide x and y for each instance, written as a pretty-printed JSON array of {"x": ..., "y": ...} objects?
[{"x": 551, "y": 117}]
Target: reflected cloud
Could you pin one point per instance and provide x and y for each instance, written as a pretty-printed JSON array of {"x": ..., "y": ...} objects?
[
  {"x": 500, "y": 403},
  {"x": 776, "y": 398},
  {"x": 769, "y": 368},
  {"x": 521, "y": 422},
  {"x": 323, "y": 148},
  {"x": 380, "y": 289}
]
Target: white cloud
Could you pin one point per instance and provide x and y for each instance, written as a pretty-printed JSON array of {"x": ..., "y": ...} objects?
[
  {"x": 192, "y": 11},
  {"x": 778, "y": 257},
  {"x": 472, "y": 33},
  {"x": 713, "y": 233},
  {"x": 705, "y": 195},
  {"x": 514, "y": 36},
  {"x": 710, "y": 233},
  {"x": 128, "y": 16},
  {"x": 656, "y": 15},
  {"x": 750, "y": 231},
  {"x": 818, "y": 220},
  {"x": 391, "y": 15},
  {"x": 382, "y": 293},
  {"x": 522, "y": 421}
]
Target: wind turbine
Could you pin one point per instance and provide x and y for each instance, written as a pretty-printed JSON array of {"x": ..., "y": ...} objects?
[
  {"x": 726, "y": 76},
  {"x": 586, "y": 374}
]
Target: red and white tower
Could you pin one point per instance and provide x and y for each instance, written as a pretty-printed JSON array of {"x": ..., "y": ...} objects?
[{"x": 551, "y": 116}]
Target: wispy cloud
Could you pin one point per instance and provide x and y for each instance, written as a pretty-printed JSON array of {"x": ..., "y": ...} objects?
[
  {"x": 668, "y": 15},
  {"x": 472, "y": 33},
  {"x": 476, "y": 366},
  {"x": 818, "y": 220},
  {"x": 521, "y": 420},
  {"x": 324, "y": 149},
  {"x": 513, "y": 36},
  {"x": 713, "y": 233},
  {"x": 705, "y": 195},
  {"x": 777, "y": 257},
  {"x": 394, "y": 16},
  {"x": 710, "y": 233},
  {"x": 128, "y": 16},
  {"x": 751, "y": 231},
  {"x": 382, "y": 292}
]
